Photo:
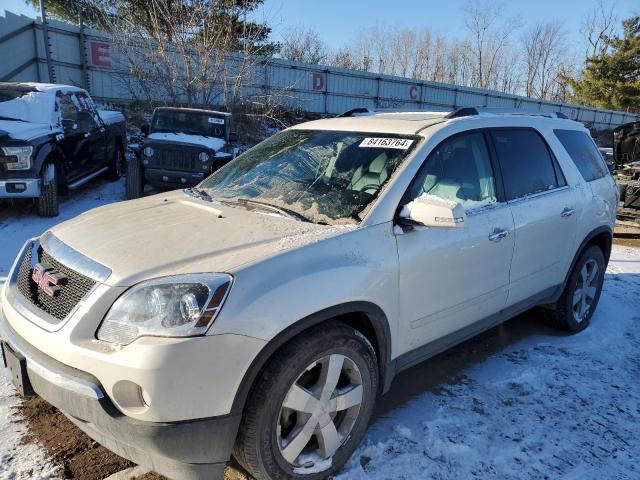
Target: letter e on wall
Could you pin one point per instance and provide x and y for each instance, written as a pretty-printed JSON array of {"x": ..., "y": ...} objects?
[{"x": 100, "y": 54}]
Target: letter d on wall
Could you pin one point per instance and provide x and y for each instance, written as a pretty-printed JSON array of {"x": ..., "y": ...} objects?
[{"x": 318, "y": 81}]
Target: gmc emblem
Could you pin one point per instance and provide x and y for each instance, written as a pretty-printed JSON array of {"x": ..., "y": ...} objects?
[{"x": 47, "y": 279}]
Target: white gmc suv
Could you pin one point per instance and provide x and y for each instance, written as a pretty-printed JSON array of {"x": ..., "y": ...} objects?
[{"x": 261, "y": 313}]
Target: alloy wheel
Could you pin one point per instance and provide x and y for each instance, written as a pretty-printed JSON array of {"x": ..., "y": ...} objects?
[
  {"x": 318, "y": 412},
  {"x": 586, "y": 290}
]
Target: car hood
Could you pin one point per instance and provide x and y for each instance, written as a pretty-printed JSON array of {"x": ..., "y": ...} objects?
[
  {"x": 170, "y": 234},
  {"x": 25, "y": 130},
  {"x": 212, "y": 143}
]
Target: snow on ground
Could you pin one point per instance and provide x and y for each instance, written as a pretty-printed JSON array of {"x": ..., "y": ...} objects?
[
  {"x": 17, "y": 224},
  {"x": 546, "y": 406},
  {"x": 20, "y": 222},
  {"x": 17, "y": 461}
]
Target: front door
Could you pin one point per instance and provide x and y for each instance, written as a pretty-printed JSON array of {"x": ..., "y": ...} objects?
[
  {"x": 84, "y": 143},
  {"x": 451, "y": 278}
]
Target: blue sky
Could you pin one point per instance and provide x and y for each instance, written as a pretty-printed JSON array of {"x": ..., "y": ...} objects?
[{"x": 337, "y": 21}]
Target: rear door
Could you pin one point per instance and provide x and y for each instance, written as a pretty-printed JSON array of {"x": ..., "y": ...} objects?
[
  {"x": 544, "y": 210},
  {"x": 451, "y": 278}
]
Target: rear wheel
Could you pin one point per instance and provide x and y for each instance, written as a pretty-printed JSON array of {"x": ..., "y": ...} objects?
[
  {"x": 48, "y": 202},
  {"x": 116, "y": 165},
  {"x": 310, "y": 408},
  {"x": 576, "y": 306},
  {"x": 135, "y": 179}
]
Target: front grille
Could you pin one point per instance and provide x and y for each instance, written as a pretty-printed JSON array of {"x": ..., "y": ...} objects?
[
  {"x": 171, "y": 158},
  {"x": 74, "y": 288}
]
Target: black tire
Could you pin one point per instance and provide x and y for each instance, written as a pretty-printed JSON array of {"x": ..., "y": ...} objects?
[
  {"x": 48, "y": 201},
  {"x": 622, "y": 191},
  {"x": 135, "y": 179},
  {"x": 116, "y": 165},
  {"x": 561, "y": 315},
  {"x": 257, "y": 448}
]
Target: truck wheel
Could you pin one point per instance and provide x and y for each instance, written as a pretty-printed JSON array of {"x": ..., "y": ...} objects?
[
  {"x": 310, "y": 407},
  {"x": 48, "y": 202},
  {"x": 622, "y": 192},
  {"x": 116, "y": 165},
  {"x": 574, "y": 309},
  {"x": 135, "y": 179}
]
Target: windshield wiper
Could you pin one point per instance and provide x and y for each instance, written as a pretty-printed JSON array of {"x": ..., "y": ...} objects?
[
  {"x": 285, "y": 211},
  {"x": 11, "y": 118},
  {"x": 198, "y": 193}
]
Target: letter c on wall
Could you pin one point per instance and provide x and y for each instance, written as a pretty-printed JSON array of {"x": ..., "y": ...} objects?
[{"x": 413, "y": 92}]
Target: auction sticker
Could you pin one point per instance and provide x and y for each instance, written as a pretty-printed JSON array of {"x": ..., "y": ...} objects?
[
  {"x": 216, "y": 120},
  {"x": 397, "y": 143}
]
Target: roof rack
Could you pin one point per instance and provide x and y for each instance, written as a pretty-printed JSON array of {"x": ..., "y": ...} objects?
[
  {"x": 470, "y": 111},
  {"x": 457, "y": 113}
]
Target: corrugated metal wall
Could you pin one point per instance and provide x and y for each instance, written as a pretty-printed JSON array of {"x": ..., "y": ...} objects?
[{"x": 313, "y": 88}]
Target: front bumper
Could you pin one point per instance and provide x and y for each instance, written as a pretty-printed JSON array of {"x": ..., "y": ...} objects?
[
  {"x": 20, "y": 188},
  {"x": 160, "y": 178},
  {"x": 192, "y": 449}
]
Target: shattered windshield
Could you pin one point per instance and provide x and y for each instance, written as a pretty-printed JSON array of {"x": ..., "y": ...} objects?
[
  {"x": 189, "y": 122},
  {"x": 320, "y": 176}
]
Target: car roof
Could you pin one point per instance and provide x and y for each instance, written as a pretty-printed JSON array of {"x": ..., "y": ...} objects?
[
  {"x": 193, "y": 110},
  {"x": 39, "y": 87},
  {"x": 412, "y": 122}
]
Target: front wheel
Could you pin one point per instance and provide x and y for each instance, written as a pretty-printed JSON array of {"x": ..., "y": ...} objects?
[
  {"x": 311, "y": 406},
  {"x": 135, "y": 179},
  {"x": 48, "y": 201},
  {"x": 581, "y": 295}
]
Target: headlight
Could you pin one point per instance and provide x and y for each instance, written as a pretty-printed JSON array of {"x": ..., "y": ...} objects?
[
  {"x": 148, "y": 152},
  {"x": 204, "y": 156},
  {"x": 22, "y": 157},
  {"x": 178, "y": 306}
]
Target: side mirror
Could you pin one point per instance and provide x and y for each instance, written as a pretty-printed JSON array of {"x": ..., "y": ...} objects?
[
  {"x": 233, "y": 137},
  {"x": 145, "y": 129},
  {"x": 432, "y": 211}
]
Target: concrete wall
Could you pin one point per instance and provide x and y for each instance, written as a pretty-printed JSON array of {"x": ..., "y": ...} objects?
[{"x": 94, "y": 64}]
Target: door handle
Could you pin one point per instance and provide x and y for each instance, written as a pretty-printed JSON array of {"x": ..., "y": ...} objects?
[
  {"x": 498, "y": 235},
  {"x": 567, "y": 212}
]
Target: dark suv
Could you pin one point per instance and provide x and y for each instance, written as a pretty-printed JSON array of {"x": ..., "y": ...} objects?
[{"x": 182, "y": 147}]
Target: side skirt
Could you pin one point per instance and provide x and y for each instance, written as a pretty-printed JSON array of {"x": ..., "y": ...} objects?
[{"x": 419, "y": 355}]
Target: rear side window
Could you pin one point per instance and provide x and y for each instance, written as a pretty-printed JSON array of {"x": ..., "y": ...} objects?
[
  {"x": 583, "y": 152},
  {"x": 526, "y": 162}
]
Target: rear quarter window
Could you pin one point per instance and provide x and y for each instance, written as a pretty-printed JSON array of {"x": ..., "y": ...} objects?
[{"x": 584, "y": 153}]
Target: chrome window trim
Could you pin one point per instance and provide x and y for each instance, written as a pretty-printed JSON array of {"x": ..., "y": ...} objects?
[
  {"x": 73, "y": 259},
  {"x": 63, "y": 380},
  {"x": 536, "y": 195}
]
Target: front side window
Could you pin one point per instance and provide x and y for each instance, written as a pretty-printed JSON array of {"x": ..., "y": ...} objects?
[
  {"x": 459, "y": 169},
  {"x": 323, "y": 176},
  {"x": 76, "y": 116},
  {"x": 584, "y": 153},
  {"x": 527, "y": 165}
]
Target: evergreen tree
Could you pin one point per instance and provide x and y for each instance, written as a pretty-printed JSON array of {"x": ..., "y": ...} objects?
[{"x": 611, "y": 79}]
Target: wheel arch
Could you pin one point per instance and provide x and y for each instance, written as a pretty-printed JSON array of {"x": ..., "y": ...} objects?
[
  {"x": 51, "y": 152},
  {"x": 602, "y": 237},
  {"x": 365, "y": 317}
]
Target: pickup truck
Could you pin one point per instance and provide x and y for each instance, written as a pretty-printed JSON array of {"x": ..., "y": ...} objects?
[
  {"x": 53, "y": 139},
  {"x": 181, "y": 148}
]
